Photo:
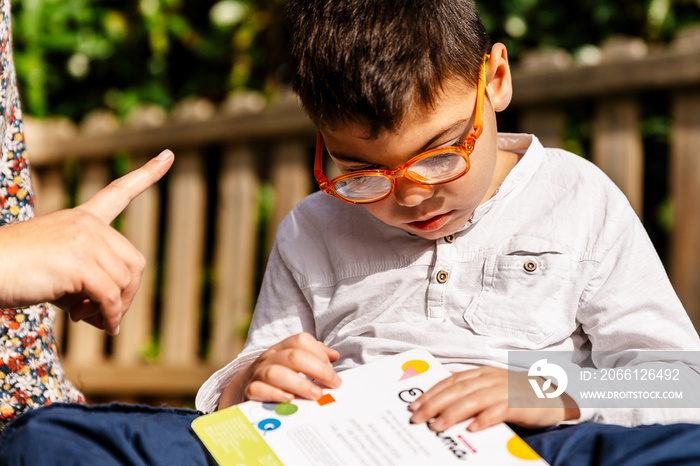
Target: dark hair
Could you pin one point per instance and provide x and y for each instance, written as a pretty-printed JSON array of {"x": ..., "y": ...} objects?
[{"x": 368, "y": 61}]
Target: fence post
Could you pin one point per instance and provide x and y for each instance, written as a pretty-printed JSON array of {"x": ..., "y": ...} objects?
[
  {"x": 141, "y": 223},
  {"x": 85, "y": 345},
  {"x": 617, "y": 146},
  {"x": 234, "y": 258},
  {"x": 617, "y": 138},
  {"x": 291, "y": 179},
  {"x": 544, "y": 120},
  {"x": 685, "y": 192},
  {"x": 184, "y": 253}
]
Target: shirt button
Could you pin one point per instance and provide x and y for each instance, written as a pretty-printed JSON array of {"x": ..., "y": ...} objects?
[
  {"x": 442, "y": 276},
  {"x": 530, "y": 266},
  {"x": 450, "y": 238}
]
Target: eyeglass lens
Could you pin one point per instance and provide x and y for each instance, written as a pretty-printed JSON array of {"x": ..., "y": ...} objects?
[{"x": 432, "y": 170}]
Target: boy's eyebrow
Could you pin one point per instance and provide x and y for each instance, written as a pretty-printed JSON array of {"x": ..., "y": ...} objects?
[{"x": 431, "y": 141}]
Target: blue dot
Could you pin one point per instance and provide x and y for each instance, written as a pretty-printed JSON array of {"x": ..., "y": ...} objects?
[{"x": 269, "y": 424}]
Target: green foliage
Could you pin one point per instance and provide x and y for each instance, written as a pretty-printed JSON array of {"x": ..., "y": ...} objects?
[
  {"x": 576, "y": 24},
  {"x": 76, "y": 55}
]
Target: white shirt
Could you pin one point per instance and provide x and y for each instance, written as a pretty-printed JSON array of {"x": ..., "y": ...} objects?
[{"x": 367, "y": 289}]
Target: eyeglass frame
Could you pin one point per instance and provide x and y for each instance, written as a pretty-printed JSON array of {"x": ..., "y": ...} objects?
[{"x": 465, "y": 150}]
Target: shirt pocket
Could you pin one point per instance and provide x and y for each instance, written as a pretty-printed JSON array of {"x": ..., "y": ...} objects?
[{"x": 524, "y": 294}]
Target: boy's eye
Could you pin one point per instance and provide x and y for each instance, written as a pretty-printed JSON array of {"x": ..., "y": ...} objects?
[
  {"x": 453, "y": 143},
  {"x": 349, "y": 168}
]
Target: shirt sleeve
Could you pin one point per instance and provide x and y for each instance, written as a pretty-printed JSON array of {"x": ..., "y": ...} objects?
[
  {"x": 629, "y": 304},
  {"x": 282, "y": 310}
]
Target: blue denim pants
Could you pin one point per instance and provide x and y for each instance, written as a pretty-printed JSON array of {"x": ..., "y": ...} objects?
[
  {"x": 115, "y": 434},
  {"x": 73, "y": 434}
]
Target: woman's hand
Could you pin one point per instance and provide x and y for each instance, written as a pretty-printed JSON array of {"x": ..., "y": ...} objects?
[{"x": 75, "y": 259}]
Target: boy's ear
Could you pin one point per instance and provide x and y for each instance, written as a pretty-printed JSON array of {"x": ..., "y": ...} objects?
[{"x": 499, "y": 85}]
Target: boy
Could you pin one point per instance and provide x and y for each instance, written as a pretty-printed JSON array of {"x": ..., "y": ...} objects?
[{"x": 465, "y": 243}]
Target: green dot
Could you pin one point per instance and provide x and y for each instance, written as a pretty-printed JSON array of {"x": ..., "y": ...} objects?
[{"x": 285, "y": 409}]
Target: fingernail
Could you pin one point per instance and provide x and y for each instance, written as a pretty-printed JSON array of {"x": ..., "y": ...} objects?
[
  {"x": 473, "y": 427},
  {"x": 316, "y": 393},
  {"x": 165, "y": 155},
  {"x": 415, "y": 406},
  {"x": 116, "y": 331},
  {"x": 437, "y": 425},
  {"x": 337, "y": 380}
]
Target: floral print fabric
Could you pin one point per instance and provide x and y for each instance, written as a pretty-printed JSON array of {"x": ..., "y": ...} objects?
[{"x": 30, "y": 371}]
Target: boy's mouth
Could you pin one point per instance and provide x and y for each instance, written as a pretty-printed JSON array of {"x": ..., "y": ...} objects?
[{"x": 431, "y": 224}]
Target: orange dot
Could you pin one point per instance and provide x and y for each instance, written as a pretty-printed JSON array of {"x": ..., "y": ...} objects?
[{"x": 325, "y": 399}]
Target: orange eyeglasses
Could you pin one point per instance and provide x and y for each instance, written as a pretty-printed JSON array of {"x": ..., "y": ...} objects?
[{"x": 436, "y": 166}]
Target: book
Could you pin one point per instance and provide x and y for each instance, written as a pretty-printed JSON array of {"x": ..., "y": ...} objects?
[{"x": 364, "y": 422}]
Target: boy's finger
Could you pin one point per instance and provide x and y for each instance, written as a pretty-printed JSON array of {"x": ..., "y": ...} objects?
[
  {"x": 301, "y": 361},
  {"x": 443, "y": 385},
  {"x": 292, "y": 381},
  {"x": 473, "y": 393},
  {"x": 113, "y": 199},
  {"x": 260, "y": 391},
  {"x": 489, "y": 417},
  {"x": 307, "y": 342},
  {"x": 332, "y": 354},
  {"x": 461, "y": 407}
]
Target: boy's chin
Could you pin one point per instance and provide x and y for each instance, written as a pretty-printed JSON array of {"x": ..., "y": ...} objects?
[{"x": 429, "y": 235}]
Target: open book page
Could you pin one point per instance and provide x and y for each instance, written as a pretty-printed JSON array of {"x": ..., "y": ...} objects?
[{"x": 364, "y": 422}]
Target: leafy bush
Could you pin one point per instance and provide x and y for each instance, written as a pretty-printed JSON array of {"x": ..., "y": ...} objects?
[{"x": 76, "y": 55}]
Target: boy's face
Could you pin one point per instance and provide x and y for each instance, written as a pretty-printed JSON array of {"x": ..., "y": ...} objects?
[{"x": 435, "y": 211}]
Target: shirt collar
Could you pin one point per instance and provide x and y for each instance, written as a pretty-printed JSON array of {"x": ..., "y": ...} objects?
[{"x": 533, "y": 154}]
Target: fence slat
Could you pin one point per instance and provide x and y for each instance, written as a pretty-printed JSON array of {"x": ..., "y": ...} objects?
[
  {"x": 49, "y": 189},
  {"x": 234, "y": 253},
  {"x": 546, "y": 123},
  {"x": 183, "y": 259},
  {"x": 685, "y": 191},
  {"x": 617, "y": 146},
  {"x": 141, "y": 221},
  {"x": 50, "y": 196},
  {"x": 85, "y": 346},
  {"x": 290, "y": 176}
]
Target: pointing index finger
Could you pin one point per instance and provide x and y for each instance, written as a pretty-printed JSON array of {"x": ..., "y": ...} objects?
[{"x": 111, "y": 200}]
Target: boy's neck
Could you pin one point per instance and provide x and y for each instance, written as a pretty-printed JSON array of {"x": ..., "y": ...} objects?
[{"x": 505, "y": 161}]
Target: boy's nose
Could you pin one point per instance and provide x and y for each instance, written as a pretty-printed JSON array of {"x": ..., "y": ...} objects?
[{"x": 410, "y": 194}]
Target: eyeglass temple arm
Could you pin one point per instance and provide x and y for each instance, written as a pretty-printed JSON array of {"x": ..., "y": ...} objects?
[
  {"x": 480, "y": 96},
  {"x": 318, "y": 163}
]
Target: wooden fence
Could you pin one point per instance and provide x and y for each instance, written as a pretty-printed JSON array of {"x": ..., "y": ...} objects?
[{"x": 200, "y": 228}]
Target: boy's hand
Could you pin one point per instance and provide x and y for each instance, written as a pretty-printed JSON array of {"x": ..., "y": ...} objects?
[
  {"x": 280, "y": 373},
  {"x": 483, "y": 394},
  {"x": 74, "y": 258}
]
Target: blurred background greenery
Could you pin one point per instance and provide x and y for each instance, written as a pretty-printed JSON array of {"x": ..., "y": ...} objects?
[{"x": 73, "y": 56}]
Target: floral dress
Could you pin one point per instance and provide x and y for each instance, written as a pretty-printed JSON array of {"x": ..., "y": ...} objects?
[{"x": 30, "y": 371}]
